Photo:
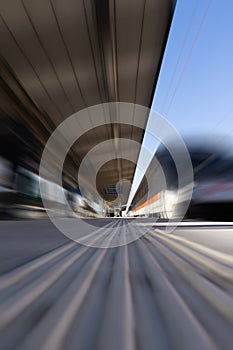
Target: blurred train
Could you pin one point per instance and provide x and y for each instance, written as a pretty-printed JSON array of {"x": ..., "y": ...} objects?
[
  {"x": 212, "y": 196},
  {"x": 20, "y": 195},
  {"x": 19, "y": 183}
]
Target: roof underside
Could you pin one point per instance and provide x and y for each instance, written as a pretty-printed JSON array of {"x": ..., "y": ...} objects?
[{"x": 59, "y": 57}]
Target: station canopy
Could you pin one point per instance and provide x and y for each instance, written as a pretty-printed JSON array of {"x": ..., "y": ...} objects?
[{"x": 58, "y": 57}]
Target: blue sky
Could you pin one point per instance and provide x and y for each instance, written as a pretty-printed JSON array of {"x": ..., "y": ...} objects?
[{"x": 195, "y": 87}]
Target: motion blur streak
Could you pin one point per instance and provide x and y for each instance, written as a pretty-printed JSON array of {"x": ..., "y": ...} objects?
[
  {"x": 106, "y": 245},
  {"x": 162, "y": 291}
]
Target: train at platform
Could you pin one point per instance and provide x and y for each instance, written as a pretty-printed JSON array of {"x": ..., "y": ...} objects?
[{"x": 212, "y": 194}]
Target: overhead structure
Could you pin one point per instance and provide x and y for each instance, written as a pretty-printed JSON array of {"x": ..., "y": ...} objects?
[{"x": 61, "y": 56}]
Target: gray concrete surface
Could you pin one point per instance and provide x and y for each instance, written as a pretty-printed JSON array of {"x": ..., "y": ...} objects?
[{"x": 163, "y": 291}]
